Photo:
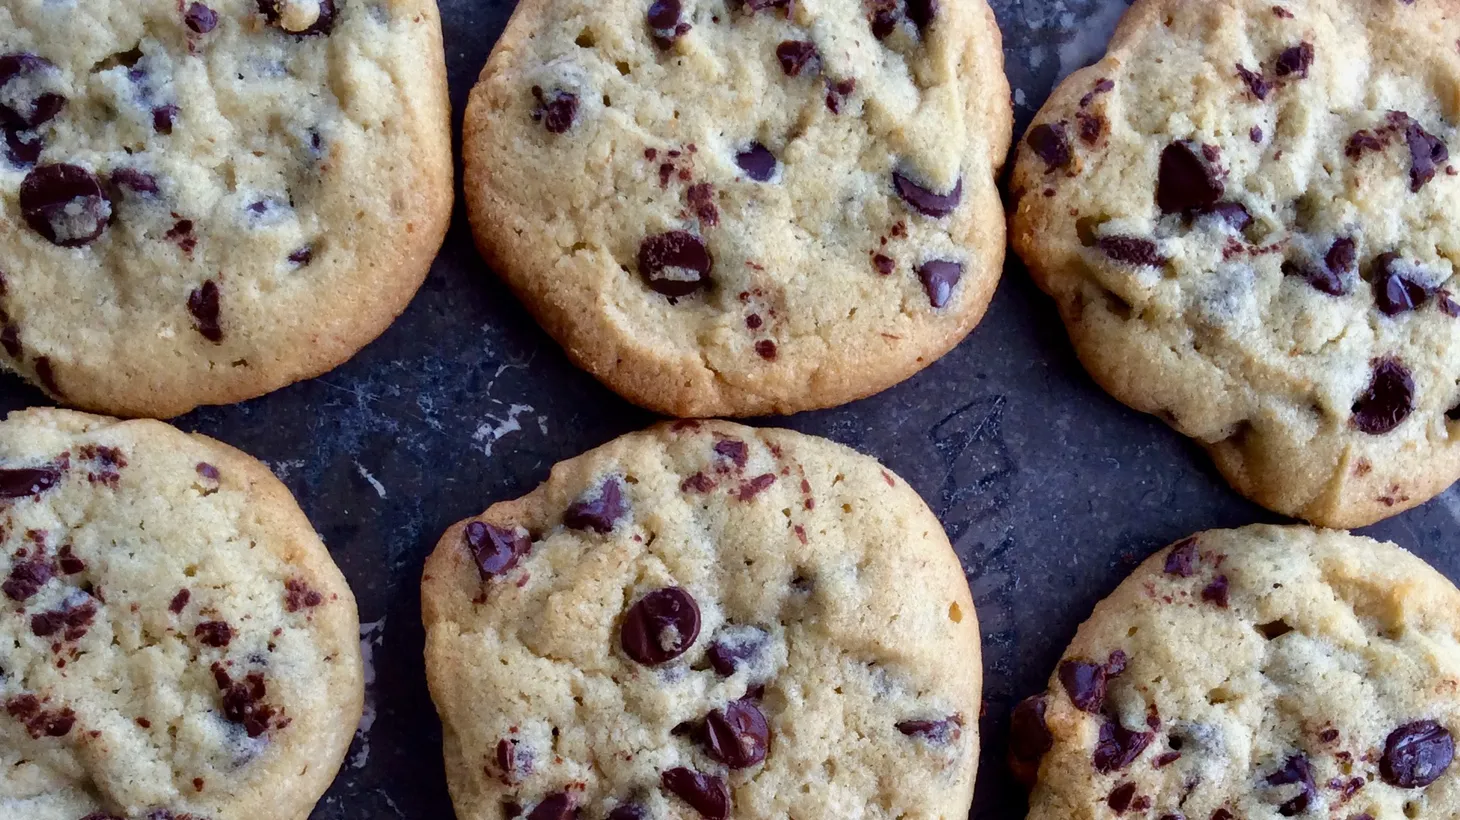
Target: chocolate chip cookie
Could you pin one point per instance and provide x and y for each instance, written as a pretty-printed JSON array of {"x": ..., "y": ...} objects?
[
  {"x": 734, "y": 208},
  {"x": 704, "y": 620},
  {"x": 1256, "y": 673},
  {"x": 203, "y": 201},
  {"x": 175, "y": 643},
  {"x": 1244, "y": 212}
]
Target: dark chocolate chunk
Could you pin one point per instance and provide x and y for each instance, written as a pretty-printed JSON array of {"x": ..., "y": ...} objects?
[
  {"x": 243, "y": 701},
  {"x": 739, "y": 736},
  {"x": 200, "y": 19},
  {"x": 938, "y": 732},
  {"x": 556, "y": 113},
  {"x": 1120, "y": 797},
  {"x": 1416, "y": 754},
  {"x": 675, "y": 264},
  {"x": 1216, "y": 592},
  {"x": 1295, "y": 61},
  {"x": 1394, "y": 292},
  {"x": 598, "y": 510},
  {"x": 26, "y": 578},
  {"x": 1188, "y": 179},
  {"x": 939, "y": 277},
  {"x": 495, "y": 549},
  {"x": 757, "y": 162},
  {"x": 705, "y": 793},
  {"x": 214, "y": 633},
  {"x": 1427, "y": 153},
  {"x": 734, "y": 647},
  {"x": 1029, "y": 738},
  {"x": 1295, "y": 770},
  {"x": 1256, "y": 83},
  {"x": 1387, "y": 401},
  {"x": 65, "y": 204},
  {"x": 666, "y": 23},
  {"x": 1131, "y": 250},
  {"x": 163, "y": 117},
  {"x": 554, "y": 807},
  {"x": 1183, "y": 558},
  {"x": 660, "y": 627},
  {"x": 1051, "y": 143},
  {"x": 1084, "y": 682},
  {"x": 21, "y": 482},
  {"x": 795, "y": 56},
  {"x": 203, "y": 305},
  {"x": 926, "y": 202},
  {"x": 25, "y": 111},
  {"x": 1117, "y": 747}
]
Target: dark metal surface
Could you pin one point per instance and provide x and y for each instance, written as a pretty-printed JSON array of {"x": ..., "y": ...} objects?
[{"x": 1050, "y": 490}]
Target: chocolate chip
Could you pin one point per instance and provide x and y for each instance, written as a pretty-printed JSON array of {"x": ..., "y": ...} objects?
[
  {"x": 1426, "y": 152},
  {"x": 734, "y": 647},
  {"x": 837, "y": 93},
  {"x": 65, "y": 204},
  {"x": 243, "y": 701},
  {"x": 924, "y": 201},
  {"x": 664, "y": 22},
  {"x": 72, "y": 619},
  {"x": 214, "y": 633},
  {"x": 675, "y": 264},
  {"x": 1255, "y": 134},
  {"x": 733, "y": 449},
  {"x": 26, "y": 578},
  {"x": 1131, "y": 250},
  {"x": 705, "y": 793},
  {"x": 1447, "y": 303},
  {"x": 1234, "y": 214},
  {"x": 203, "y": 305},
  {"x": 739, "y": 736},
  {"x": 272, "y": 11},
  {"x": 1294, "y": 61},
  {"x": 600, "y": 510},
  {"x": 1416, "y": 754},
  {"x": 1362, "y": 141},
  {"x": 922, "y": 12},
  {"x": 1256, "y": 83},
  {"x": 24, "y": 111},
  {"x": 163, "y": 117},
  {"x": 1387, "y": 401},
  {"x": 554, "y": 807},
  {"x": 1117, "y": 747},
  {"x": 200, "y": 19},
  {"x": 1029, "y": 738},
  {"x": 123, "y": 180},
  {"x": 302, "y": 257},
  {"x": 558, "y": 113},
  {"x": 1394, "y": 292},
  {"x": 1320, "y": 278},
  {"x": 1295, "y": 770},
  {"x": 40, "y": 722},
  {"x": 495, "y": 549},
  {"x": 757, "y": 162},
  {"x": 1084, "y": 682},
  {"x": 179, "y": 602},
  {"x": 1120, "y": 797},
  {"x": 23, "y": 148},
  {"x": 628, "y": 811},
  {"x": 795, "y": 55},
  {"x": 939, "y": 277},
  {"x": 884, "y": 17},
  {"x": 883, "y": 264},
  {"x": 660, "y": 627},
  {"x": 1216, "y": 592},
  {"x": 1050, "y": 143},
  {"x": 1188, "y": 179},
  {"x": 299, "y": 595},
  {"x": 21, "y": 482},
  {"x": 938, "y": 732},
  {"x": 750, "y": 488}
]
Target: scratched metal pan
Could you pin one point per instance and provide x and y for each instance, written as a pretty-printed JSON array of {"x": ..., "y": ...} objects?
[{"x": 1050, "y": 490}]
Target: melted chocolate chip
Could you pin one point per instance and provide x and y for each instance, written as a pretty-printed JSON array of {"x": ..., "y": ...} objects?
[
  {"x": 272, "y": 11},
  {"x": 21, "y": 482},
  {"x": 939, "y": 277},
  {"x": 660, "y": 627},
  {"x": 795, "y": 55},
  {"x": 1084, "y": 682},
  {"x": 1416, "y": 754},
  {"x": 1256, "y": 83},
  {"x": 26, "y": 578},
  {"x": 1131, "y": 250},
  {"x": 243, "y": 701},
  {"x": 200, "y": 19},
  {"x": 665, "y": 22},
  {"x": 599, "y": 510},
  {"x": 24, "y": 111},
  {"x": 675, "y": 264},
  {"x": 938, "y": 732},
  {"x": 705, "y": 793},
  {"x": 1295, "y": 770},
  {"x": 1117, "y": 747},
  {"x": 203, "y": 305},
  {"x": 1215, "y": 593},
  {"x": 1188, "y": 180},
  {"x": 738, "y": 736},
  {"x": 1183, "y": 558},
  {"x": 553, "y": 807},
  {"x": 1051, "y": 143},
  {"x": 1295, "y": 61},
  {"x": 1426, "y": 152},
  {"x": 214, "y": 633},
  {"x": 1394, "y": 292},
  {"x": 926, "y": 202},
  {"x": 1120, "y": 797},
  {"x": 495, "y": 549},
  {"x": 735, "y": 646},
  {"x": 163, "y": 117},
  {"x": 883, "y": 18},
  {"x": 1029, "y": 738},
  {"x": 557, "y": 113},
  {"x": 1387, "y": 401},
  {"x": 65, "y": 204},
  {"x": 757, "y": 162}
]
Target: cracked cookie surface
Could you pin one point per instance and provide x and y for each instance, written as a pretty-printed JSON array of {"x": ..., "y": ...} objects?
[
  {"x": 1244, "y": 212},
  {"x": 706, "y": 620},
  {"x": 1256, "y": 673},
  {"x": 204, "y": 201},
  {"x": 175, "y": 642},
  {"x": 725, "y": 208}
]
